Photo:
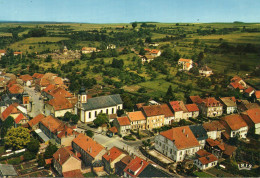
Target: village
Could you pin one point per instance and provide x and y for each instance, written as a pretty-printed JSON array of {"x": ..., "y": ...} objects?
[{"x": 81, "y": 135}]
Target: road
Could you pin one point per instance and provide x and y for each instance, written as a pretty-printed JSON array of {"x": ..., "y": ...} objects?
[{"x": 37, "y": 104}]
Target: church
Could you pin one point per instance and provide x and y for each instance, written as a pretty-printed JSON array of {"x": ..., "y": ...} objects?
[{"x": 88, "y": 109}]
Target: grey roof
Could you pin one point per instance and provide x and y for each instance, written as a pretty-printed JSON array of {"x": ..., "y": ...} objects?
[
  {"x": 151, "y": 171},
  {"x": 228, "y": 102},
  {"x": 7, "y": 170},
  {"x": 44, "y": 137},
  {"x": 102, "y": 102},
  {"x": 199, "y": 132}
]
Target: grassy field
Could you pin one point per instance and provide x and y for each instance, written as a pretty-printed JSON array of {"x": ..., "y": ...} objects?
[{"x": 202, "y": 174}]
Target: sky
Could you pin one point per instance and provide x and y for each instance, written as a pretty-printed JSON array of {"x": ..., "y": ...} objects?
[{"x": 126, "y": 11}]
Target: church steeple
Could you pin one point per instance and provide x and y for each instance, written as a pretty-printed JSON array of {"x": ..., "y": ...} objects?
[{"x": 82, "y": 96}]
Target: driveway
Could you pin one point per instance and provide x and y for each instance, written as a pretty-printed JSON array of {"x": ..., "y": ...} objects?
[{"x": 37, "y": 103}]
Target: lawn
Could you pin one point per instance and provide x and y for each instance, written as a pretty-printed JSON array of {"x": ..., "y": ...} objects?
[
  {"x": 202, "y": 174},
  {"x": 90, "y": 174},
  {"x": 2, "y": 149}
]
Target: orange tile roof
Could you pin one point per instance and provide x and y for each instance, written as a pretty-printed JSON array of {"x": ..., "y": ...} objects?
[
  {"x": 182, "y": 136},
  {"x": 212, "y": 142},
  {"x": 185, "y": 60},
  {"x": 176, "y": 106},
  {"x": 139, "y": 105},
  {"x": 48, "y": 161},
  {"x": 113, "y": 129},
  {"x": 236, "y": 79},
  {"x": 229, "y": 149},
  {"x": 153, "y": 110},
  {"x": 19, "y": 118},
  {"x": 37, "y": 75},
  {"x": 12, "y": 109},
  {"x": 249, "y": 90},
  {"x": 88, "y": 145},
  {"x": 49, "y": 88},
  {"x": 58, "y": 81},
  {"x": 11, "y": 82},
  {"x": 73, "y": 173},
  {"x": 16, "y": 89},
  {"x": 202, "y": 153},
  {"x": 60, "y": 103},
  {"x": 67, "y": 131},
  {"x": 36, "y": 120},
  {"x": 236, "y": 85},
  {"x": 53, "y": 124},
  {"x": 196, "y": 99},
  {"x": 166, "y": 110},
  {"x": 63, "y": 154},
  {"x": 18, "y": 52},
  {"x": 123, "y": 121},
  {"x": 208, "y": 159},
  {"x": 154, "y": 51},
  {"x": 192, "y": 107},
  {"x": 254, "y": 115},
  {"x": 60, "y": 92},
  {"x": 136, "y": 116},
  {"x": 26, "y": 77},
  {"x": 137, "y": 164},
  {"x": 2, "y": 51},
  {"x": 112, "y": 154},
  {"x": 211, "y": 102},
  {"x": 234, "y": 121},
  {"x": 257, "y": 94},
  {"x": 213, "y": 126}
]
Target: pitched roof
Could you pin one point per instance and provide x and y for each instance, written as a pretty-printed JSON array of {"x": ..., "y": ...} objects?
[
  {"x": 88, "y": 49},
  {"x": 166, "y": 110},
  {"x": 182, "y": 137},
  {"x": 153, "y": 110},
  {"x": 152, "y": 171},
  {"x": 26, "y": 77},
  {"x": 229, "y": 149},
  {"x": 202, "y": 153},
  {"x": 58, "y": 81},
  {"x": 73, "y": 173},
  {"x": 176, "y": 106},
  {"x": 112, "y": 154},
  {"x": 185, "y": 60},
  {"x": 213, "y": 126},
  {"x": 234, "y": 121},
  {"x": 123, "y": 121},
  {"x": 36, "y": 120},
  {"x": 192, "y": 107},
  {"x": 88, "y": 145},
  {"x": 113, "y": 129},
  {"x": 67, "y": 131},
  {"x": 16, "y": 89},
  {"x": 154, "y": 51},
  {"x": 236, "y": 85},
  {"x": 60, "y": 92},
  {"x": 212, "y": 142},
  {"x": 19, "y": 118},
  {"x": 37, "y": 75},
  {"x": 2, "y": 51},
  {"x": 208, "y": 159},
  {"x": 206, "y": 68},
  {"x": 49, "y": 88},
  {"x": 136, "y": 165},
  {"x": 196, "y": 99},
  {"x": 12, "y": 109},
  {"x": 229, "y": 101},
  {"x": 136, "y": 116},
  {"x": 249, "y": 90},
  {"x": 199, "y": 132},
  {"x": 53, "y": 124},
  {"x": 60, "y": 103},
  {"x": 211, "y": 102},
  {"x": 257, "y": 94},
  {"x": 236, "y": 79},
  {"x": 102, "y": 102},
  {"x": 254, "y": 115},
  {"x": 63, "y": 154},
  {"x": 42, "y": 82}
]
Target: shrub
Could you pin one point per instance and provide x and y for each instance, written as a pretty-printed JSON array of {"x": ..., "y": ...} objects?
[{"x": 129, "y": 137}]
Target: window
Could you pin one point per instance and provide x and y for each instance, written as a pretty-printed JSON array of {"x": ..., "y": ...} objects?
[
  {"x": 89, "y": 115},
  {"x": 107, "y": 111},
  {"x": 112, "y": 110},
  {"x": 118, "y": 107},
  {"x": 95, "y": 113}
]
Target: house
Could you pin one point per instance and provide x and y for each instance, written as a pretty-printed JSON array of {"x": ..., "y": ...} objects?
[
  {"x": 20, "y": 120},
  {"x": 89, "y": 108},
  {"x": 220, "y": 149},
  {"x": 243, "y": 105},
  {"x": 15, "y": 89},
  {"x": 90, "y": 150},
  {"x": 235, "y": 125},
  {"x": 152, "y": 171},
  {"x": 137, "y": 120},
  {"x": 200, "y": 134},
  {"x": 41, "y": 83},
  {"x": 52, "y": 91},
  {"x": 210, "y": 107},
  {"x": 249, "y": 92},
  {"x": 13, "y": 110},
  {"x": 37, "y": 76},
  {"x": 86, "y": 50},
  {"x": 229, "y": 104},
  {"x": 205, "y": 71},
  {"x": 73, "y": 173},
  {"x": 135, "y": 167},
  {"x": 177, "y": 143},
  {"x": 252, "y": 118},
  {"x": 34, "y": 122},
  {"x": 168, "y": 114},
  {"x": 8, "y": 99},
  {"x": 112, "y": 131},
  {"x": 237, "y": 83},
  {"x": 256, "y": 96},
  {"x": 18, "y": 53},
  {"x": 65, "y": 160},
  {"x": 214, "y": 129},
  {"x": 147, "y": 58},
  {"x": 206, "y": 162},
  {"x": 154, "y": 116},
  {"x": 112, "y": 156},
  {"x": 121, "y": 165},
  {"x": 155, "y": 52},
  {"x": 27, "y": 80},
  {"x": 7, "y": 171},
  {"x": 58, "y": 107},
  {"x": 2, "y": 52},
  {"x": 123, "y": 125},
  {"x": 178, "y": 112},
  {"x": 193, "y": 109},
  {"x": 186, "y": 64},
  {"x": 111, "y": 46},
  {"x": 66, "y": 136}
]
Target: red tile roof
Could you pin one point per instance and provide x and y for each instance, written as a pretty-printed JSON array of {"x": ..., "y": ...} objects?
[
  {"x": 60, "y": 92},
  {"x": 213, "y": 126},
  {"x": 236, "y": 85},
  {"x": 60, "y": 103},
  {"x": 257, "y": 94},
  {"x": 136, "y": 165},
  {"x": 26, "y": 77},
  {"x": 196, "y": 99},
  {"x": 37, "y": 75},
  {"x": 249, "y": 90},
  {"x": 16, "y": 89},
  {"x": 211, "y": 102},
  {"x": 212, "y": 142},
  {"x": 48, "y": 161},
  {"x": 236, "y": 79},
  {"x": 175, "y": 106},
  {"x": 202, "y": 153},
  {"x": 88, "y": 145},
  {"x": 113, "y": 129},
  {"x": 154, "y": 51},
  {"x": 136, "y": 116},
  {"x": 182, "y": 136},
  {"x": 123, "y": 121},
  {"x": 153, "y": 110},
  {"x": 112, "y": 154},
  {"x": 53, "y": 124},
  {"x": 63, "y": 154},
  {"x": 185, "y": 60},
  {"x": 254, "y": 115},
  {"x": 192, "y": 107},
  {"x": 67, "y": 131},
  {"x": 19, "y": 118},
  {"x": 12, "y": 109},
  {"x": 166, "y": 110},
  {"x": 208, "y": 159},
  {"x": 2, "y": 51},
  {"x": 229, "y": 149},
  {"x": 73, "y": 173},
  {"x": 36, "y": 120},
  {"x": 49, "y": 88},
  {"x": 234, "y": 121}
]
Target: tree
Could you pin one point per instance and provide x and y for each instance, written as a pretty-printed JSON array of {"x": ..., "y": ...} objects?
[
  {"x": 50, "y": 150},
  {"x": 90, "y": 133},
  {"x": 40, "y": 161},
  {"x": 93, "y": 55},
  {"x": 148, "y": 39},
  {"x": 33, "y": 146},
  {"x": 101, "y": 119},
  {"x": 134, "y": 25},
  {"x": 74, "y": 118},
  {"x": 48, "y": 58},
  {"x": 69, "y": 117},
  {"x": 29, "y": 155},
  {"x": 142, "y": 51},
  {"x": 8, "y": 123},
  {"x": 120, "y": 112},
  {"x": 169, "y": 94},
  {"x": 17, "y": 138}
]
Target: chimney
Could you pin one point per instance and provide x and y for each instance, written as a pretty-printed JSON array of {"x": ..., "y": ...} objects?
[
  {"x": 142, "y": 162},
  {"x": 183, "y": 131},
  {"x": 59, "y": 157},
  {"x": 187, "y": 135}
]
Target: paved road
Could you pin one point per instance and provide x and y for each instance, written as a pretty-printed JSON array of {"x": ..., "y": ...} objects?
[{"x": 37, "y": 104}]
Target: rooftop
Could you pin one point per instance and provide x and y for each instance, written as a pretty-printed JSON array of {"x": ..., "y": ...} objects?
[
  {"x": 208, "y": 159},
  {"x": 234, "y": 121},
  {"x": 229, "y": 101},
  {"x": 136, "y": 116},
  {"x": 192, "y": 107},
  {"x": 123, "y": 121},
  {"x": 112, "y": 154}
]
